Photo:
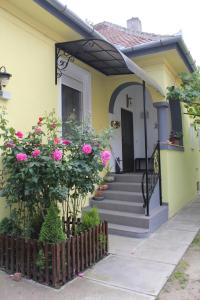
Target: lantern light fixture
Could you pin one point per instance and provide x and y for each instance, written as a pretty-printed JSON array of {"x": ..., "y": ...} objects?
[{"x": 4, "y": 77}]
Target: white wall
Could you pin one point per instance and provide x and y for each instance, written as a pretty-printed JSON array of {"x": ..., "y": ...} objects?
[{"x": 135, "y": 92}]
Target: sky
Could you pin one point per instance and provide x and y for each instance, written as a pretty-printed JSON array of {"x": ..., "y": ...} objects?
[{"x": 157, "y": 16}]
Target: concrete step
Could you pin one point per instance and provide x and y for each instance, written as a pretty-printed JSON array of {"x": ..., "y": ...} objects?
[
  {"x": 123, "y": 196},
  {"x": 124, "y": 218},
  {"x": 157, "y": 217},
  {"x": 117, "y": 205},
  {"x": 132, "y": 177},
  {"x": 125, "y": 186},
  {"x": 128, "y": 231}
]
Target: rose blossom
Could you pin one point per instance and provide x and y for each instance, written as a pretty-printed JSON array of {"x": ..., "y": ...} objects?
[
  {"x": 56, "y": 141},
  {"x": 19, "y": 134},
  {"x": 105, "y": 156},
  {"x": 87, "y": 148},
  {"x": 10, "y": 144},
  {"x": 21, "y": 156},
  {"x": 57, "y": 154},
  {"x": 40, "y": 121},
  {"x": 66, "y": 142},
  {"x": 38, "y": 130},
  {"x": 36, "y": 153}
]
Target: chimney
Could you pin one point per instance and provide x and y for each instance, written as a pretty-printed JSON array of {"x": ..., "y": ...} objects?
[{"x": 134, "y": 24}]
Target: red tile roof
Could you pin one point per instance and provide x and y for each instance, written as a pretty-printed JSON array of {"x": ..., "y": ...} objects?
[{"x": 123, "y": 37}]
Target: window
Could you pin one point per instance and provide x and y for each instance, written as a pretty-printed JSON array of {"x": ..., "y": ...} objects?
[
  {"x": 75, "y": 87},
  {"x": 71, "y": 106},
  {"x": 176, "y": 119}
]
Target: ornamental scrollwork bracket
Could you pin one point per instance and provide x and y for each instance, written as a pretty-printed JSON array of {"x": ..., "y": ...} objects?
[{"x": 61, "y": 63}]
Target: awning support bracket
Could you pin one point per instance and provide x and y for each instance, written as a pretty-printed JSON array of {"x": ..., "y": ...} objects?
[{"x": 62, "y": 60}]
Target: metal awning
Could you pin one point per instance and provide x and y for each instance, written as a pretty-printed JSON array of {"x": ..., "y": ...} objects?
[{"x": 104, "y": 57}]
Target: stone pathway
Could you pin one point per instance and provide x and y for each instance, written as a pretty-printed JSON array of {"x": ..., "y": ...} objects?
[{"x": 136, "y": 269}]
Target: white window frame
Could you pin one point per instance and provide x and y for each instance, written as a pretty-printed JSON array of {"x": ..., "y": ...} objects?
[{"x": 79, "y": 79}]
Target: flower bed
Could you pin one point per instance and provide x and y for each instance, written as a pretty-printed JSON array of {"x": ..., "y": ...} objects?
[{"x": 61, "y": 261}]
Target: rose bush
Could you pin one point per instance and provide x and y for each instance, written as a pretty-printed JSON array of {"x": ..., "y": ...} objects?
[{"x": 42, "y": 168}]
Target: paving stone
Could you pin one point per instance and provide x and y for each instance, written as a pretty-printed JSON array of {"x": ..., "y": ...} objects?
[
  {"x": 161, "y": 250},
  {"x": 77, "y": 289},
  {"x": 174, "y": 235},
  {"x": 138, "y": 275},
  {"x": 123, "y": 245}
]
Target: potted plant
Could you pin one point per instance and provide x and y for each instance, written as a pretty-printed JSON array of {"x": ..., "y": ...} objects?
[
  {"x": 98, "y": 195},
  {"x": 109, "y": 176},
  {"x": 175, "y": 137}
]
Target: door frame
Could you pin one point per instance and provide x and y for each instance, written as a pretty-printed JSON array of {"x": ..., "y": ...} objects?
[{"x": 126, "y": 110}]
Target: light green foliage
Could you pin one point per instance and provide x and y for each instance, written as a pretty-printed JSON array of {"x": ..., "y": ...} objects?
[
  {"x": 90, "y": 219},
  {"x": 40, "y": 262},
  {"x": 52, "y": 231},
  {"x": 179, "y": 274},
  {"x": 189, "y": 93},
  {"x": 196, "y": 241}
]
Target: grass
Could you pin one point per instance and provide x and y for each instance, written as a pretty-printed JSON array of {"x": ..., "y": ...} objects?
[
  {"x": 196, "y": 241},
  {"x": 179, "y": 274}
]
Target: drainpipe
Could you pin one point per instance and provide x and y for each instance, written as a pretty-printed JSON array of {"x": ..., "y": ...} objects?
[{"x": 146, "y": 146}]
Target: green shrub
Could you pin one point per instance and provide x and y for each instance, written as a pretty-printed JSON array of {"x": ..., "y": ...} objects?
[
  {"x": 90, "y": 219},
  {"x": 40, "y": 261},
  {"x": 9, "y": 226},
  {"x": 52, "y": 231}
]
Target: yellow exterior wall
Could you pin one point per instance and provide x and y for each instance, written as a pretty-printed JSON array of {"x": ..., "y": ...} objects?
[{"x": 180, "y": 170}]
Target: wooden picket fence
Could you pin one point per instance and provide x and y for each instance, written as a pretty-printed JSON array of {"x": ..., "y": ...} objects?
[{"x": 61, "y": 262}]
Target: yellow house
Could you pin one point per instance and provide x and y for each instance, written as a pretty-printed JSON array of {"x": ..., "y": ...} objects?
[{"x": 117, "y": 77}]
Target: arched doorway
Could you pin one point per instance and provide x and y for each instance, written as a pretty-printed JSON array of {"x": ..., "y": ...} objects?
[{"x": 128, "y": 142}]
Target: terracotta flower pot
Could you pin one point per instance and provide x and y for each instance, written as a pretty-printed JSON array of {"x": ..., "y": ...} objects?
[
  {"x": 98, "y": 195},
  {"x": 103, "y": 187}
]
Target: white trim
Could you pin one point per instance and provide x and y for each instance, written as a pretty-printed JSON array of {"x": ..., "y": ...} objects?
[
  {"x": 192, "y": 137},
  {"x": 79, "y": 79}
]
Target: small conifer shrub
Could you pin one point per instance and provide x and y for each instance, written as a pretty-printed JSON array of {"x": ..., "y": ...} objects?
[{"x": 52, "y": 231}]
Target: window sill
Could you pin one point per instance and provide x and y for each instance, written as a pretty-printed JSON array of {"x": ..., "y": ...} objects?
[{"x": 172, "y": 147}]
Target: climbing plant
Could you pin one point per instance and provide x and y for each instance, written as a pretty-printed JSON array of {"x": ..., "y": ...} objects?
[{"x": 188, "y": 92}]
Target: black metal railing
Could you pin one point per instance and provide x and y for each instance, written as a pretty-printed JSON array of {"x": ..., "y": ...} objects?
[{"x": 150, "y": 178}]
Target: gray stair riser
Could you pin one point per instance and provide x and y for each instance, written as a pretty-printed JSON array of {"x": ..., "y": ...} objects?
[
  {"x": 128, "y": 233},
  {"x": 160, "y": 219},
  {"x": 125, "y": 187},
  {"x": 123, "y": 197},
  {"x": 118, "y": 207},
  {"x": 124, "y": 220},
  {"x": 127, "y": 178}
]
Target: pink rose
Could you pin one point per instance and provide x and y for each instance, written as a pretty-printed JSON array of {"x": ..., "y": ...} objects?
[
  {"x": 10, "y": 144},
  {"x": 36, "y": 153},
  {"x": 38, "y": 130},
  {"x": 57, "y": 154},
  {"x": 19, "y": 134},
  {"x": 105, "y": 156},
  {"x": 21, "y": 156},
  {"x": 66, "y": 142},
  {"x": 56, "y": 141},
  {"x": 87, "y": 149}
]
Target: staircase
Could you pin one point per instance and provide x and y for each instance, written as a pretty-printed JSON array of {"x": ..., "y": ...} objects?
[{"x": 123, "y": 207}]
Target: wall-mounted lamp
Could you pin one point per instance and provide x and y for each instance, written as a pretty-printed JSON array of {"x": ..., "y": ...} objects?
[
  {"x": 115, "y": 124},
  {"x": 128, "y": 101},
  {"x": 4, "y": 78}
]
